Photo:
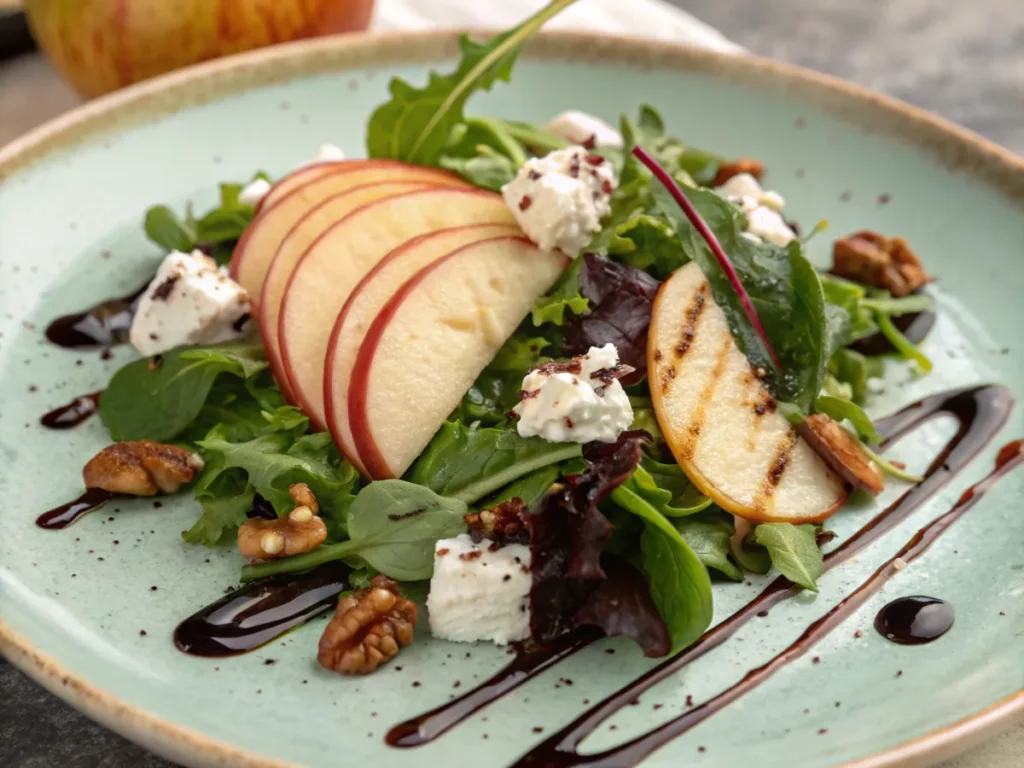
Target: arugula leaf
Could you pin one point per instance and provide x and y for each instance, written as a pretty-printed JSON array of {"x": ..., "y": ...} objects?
[
  {"x": 274, "y": 461},
  {"x": 530, "y": 488},
  {"x": 468, "y": 463},
  {"x": 416, "y": 124},
  {"x": 853, "y": 368},
  {"x": 840, "y": 409},
  {"x": 393, "y": 525},
  {"x": 708, "y": 535},
  {"x": 645, "y": 242},
  {"x": 565, "y": 295},
  {"x": 485, "y": 170},
  {"x": 679, "y": 583},
  {"x": 690, "y": 501},
  {"x": 157, "y": 398},
  {"x": 226, "y": 501},
  {"x": 794, "y": 551}
]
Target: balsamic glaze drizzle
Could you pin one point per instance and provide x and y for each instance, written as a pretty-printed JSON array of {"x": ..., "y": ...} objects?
[
  {"x": 66, "y": 514},
  {"x": 103, "y": 325},
  {"x": 915, "y": 327},
  {"x": 914, "y": 620},
  {"x": 261, "y": 611},
  {"x": 980, "y": 411},
  {"x": 72, "y": 414}
]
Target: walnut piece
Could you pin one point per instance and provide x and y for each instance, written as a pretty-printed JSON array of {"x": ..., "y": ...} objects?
[
  {"x": 744, "y": 165},
  {"x": 842, "y": 453},
  {"x": 505, "y": 523},
  {"x": 369, "y": 627},
  {"x": 301, "y": 530},
  {"x": 877, "y": 260},
  {"x": 141, "y": 468}
]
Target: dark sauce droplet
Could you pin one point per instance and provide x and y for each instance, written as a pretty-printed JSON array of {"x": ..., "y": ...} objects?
[
  {"x": 66, "y": 514},
  {"x": 103, "y": 325},
  {"x": 261, "y": 611},
  {"x": 914, "y": 620},
  {"x": 72, "y": 414}
]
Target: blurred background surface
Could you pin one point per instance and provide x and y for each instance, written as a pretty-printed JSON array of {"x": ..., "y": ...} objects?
[{"x": 964, "y": 61}]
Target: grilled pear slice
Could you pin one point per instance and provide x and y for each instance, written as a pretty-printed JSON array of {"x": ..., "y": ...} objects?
[{"x": 720, "y": 421}]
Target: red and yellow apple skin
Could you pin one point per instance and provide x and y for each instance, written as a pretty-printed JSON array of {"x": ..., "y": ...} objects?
[{"x": 102, "y": 45}]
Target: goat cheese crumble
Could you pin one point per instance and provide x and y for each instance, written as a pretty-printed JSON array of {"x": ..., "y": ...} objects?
[
  {"x": 559, "y": 199},
  {"x": 583, "y": 128},
  {"x": 762, "y": 207},
  {"x": 328, "y": 153},
  {"x": 575, "y": 402},
  {"x": 477, "y": 593},
  {"x": 254, "y": 191},
  {"x": 190, "y": 301}
]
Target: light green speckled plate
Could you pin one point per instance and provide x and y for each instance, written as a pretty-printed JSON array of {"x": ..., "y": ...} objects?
[{"x": 74, "y": 603}]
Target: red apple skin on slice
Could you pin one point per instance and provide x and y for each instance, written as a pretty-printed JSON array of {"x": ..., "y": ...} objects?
[
  {"x": 291, "y": 249},
  {"x": 366, "y": 301},
  {"x": 432, "y": 339},
  {"x": 300, "y": 193},
  {"x": 720, "y": 421},
  {"x": 333, "y": 266}
]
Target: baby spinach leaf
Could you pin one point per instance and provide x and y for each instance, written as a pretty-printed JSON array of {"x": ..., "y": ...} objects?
[
  {"x": 689, "y": 500},
  {"x": 157, "y": 398},
  {"x": 679, "y": 583},
  {"x": 416, "y": 123},
  {"x": 393, "y": 525},
  {"x": 468, "y": 463},
  {"x": 794, "y": 551},
  {"x": 708, "y": 535},
  {"x": 164, "y": 228}
]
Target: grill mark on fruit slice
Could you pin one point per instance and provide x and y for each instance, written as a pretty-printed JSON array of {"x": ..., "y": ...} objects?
[
  {"x": 696, "y": 425},
  {"x": 693, "y": 315},
  {"x": 777, "y": 468}
]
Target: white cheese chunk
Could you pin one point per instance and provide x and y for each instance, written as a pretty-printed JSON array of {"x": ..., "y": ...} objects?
[
  {"x": 575, "y": 405},
  {"x": 762, "y": 207},
  {"x": 477, "y": 594},
  {"x": 583, "y": 128},
  {"x": 190, "y": 301},
  {"x": 253, "y": 192},
  {"x": 328, "y": 153},
  {"x": 559, "y": 199}
]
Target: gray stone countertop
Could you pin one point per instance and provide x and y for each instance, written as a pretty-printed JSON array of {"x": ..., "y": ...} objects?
[{"x": 964, "y": 61}]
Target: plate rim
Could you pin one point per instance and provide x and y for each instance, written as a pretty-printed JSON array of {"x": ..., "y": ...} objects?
[{"x": 953, "y": 146}]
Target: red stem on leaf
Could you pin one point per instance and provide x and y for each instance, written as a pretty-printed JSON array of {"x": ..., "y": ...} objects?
[{"x": 716, "y": 248}]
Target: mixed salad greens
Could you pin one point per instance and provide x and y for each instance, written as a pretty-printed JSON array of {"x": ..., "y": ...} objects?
[{"x": 626, "y": 510}]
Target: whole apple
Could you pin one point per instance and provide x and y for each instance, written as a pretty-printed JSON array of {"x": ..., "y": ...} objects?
[{"x": 102, "y": 45}]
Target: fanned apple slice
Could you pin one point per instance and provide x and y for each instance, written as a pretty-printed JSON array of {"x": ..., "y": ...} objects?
[
  {"x": 316, "y": 221},
  {"x": 720, "y": 421},
  {"x": 296, "y": 195},
  {"x": 367, "y": 299},
  {"x": 332, "y": 266},
  {"x": 432, "y": 339}
]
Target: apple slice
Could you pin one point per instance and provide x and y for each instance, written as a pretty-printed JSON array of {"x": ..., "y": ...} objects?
[
  {"x": 331, "y": 267},
  {"x": 432, "y": 339},
  {"x": 316, "y": 221},
  {"x": 720, "y": 421},
  {"x": 366, "y": 301},
  {"x": 294, "y": 196}
]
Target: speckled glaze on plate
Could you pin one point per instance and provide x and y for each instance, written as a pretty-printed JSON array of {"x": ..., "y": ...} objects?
[{"x": 89, "y": 611}]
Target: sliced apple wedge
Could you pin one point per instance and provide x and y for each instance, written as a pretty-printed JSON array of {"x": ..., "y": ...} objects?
[
  {"x": 296, "y": 195},
  {"x": 432, "y": 339},
  {"x": 332, "y": 266},
  {"x": 316, "y": 221},
  {"x": 721, "y": 422},
  {"x": 367, "y": 299}
]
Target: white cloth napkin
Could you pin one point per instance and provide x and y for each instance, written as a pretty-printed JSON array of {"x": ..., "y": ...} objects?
[{"x": 645, "y": 18}]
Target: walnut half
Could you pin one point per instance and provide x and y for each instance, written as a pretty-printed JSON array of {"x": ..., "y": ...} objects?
[
  {"x": 873, "y": 259},
  {"x": 734, "y": 168},
  {"x": 141, "y": 468},
  {"x": 301, "y": 530},
  {"x": 369, "y": 627}
]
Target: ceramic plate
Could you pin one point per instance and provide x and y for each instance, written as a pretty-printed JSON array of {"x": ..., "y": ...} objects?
[{"x": 89, "y": 611}]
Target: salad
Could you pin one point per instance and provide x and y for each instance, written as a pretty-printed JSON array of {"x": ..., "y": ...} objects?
[{"x": 537, "y": 377}]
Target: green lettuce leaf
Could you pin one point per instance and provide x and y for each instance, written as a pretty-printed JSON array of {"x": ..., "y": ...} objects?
[{"x": 564, "y": 297}]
